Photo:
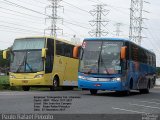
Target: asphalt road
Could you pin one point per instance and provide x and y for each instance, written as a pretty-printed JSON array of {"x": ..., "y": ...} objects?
[{"x": 104, "y": 102}]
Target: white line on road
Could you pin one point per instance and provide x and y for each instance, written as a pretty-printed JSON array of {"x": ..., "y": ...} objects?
[
  {"x": 150, "y": 102},
  {"x": 145, "y": 106},
  {"x": 127, "y": 110},
  {"x": 18, "y": 93},
  {"x": 157, "y": 100}
]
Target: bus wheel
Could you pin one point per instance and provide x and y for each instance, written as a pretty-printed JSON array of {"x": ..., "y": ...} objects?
[
  {"x": 25, "y": 88},
  {"x": 93, "y": 91},
  {"x": 145, "y": 91},
  {"x": 67, "y": 87},
  {"x": 124, "y": 93},
  {"x": 127, "y": 92},
  {"x": 55, "y": 84}
]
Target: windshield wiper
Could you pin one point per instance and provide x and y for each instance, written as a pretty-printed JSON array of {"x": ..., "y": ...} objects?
[
  {"x": 29, "y": 67},
  {"x": 104, "y": 65}
]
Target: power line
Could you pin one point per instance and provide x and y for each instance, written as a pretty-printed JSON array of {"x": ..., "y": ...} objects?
[
  {"x": 29, "y": 9},
  {"x": 152, "y": 36},
  {"x": 30, "y": 4},
  {"x": 21, "y": 13},
  {"x": 5, "y": 26},
  {"x": 76, "y": 24},
  {"x": 40, "y": 2},
  {"x": 20, "y": 6},
  {"x": 50, "y": 16},
  {"x": 76, "y": 7},
  {"x": 41, "y": 18},
  {"x": 18, "y": 19},
  {"x": 12, "y": 30},
  {"x": 20, "y": 25}
]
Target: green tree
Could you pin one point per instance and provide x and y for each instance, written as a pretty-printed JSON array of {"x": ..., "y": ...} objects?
[
  {"x": 158, "y": 71},
  {"x": 4, "y": 64}
]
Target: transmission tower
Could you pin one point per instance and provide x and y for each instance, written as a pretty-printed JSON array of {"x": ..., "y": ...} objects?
[
  {"x": 118, "y": 31},
  {"x": 54, "y": 17},
  {"x": 136, "y": 20},
  {"x": 99, "y": 22}
]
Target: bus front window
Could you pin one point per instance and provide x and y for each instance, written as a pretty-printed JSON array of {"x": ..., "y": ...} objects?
[
  {"x": 90, "y": 56},
  {"x": 100, "y": 57},
  {"x": 110, "y": 58},
  {"x": 24, "y": 61}
]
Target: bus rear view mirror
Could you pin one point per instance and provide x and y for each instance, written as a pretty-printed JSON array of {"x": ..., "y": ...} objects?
[
  {"x": 5, "y": 54},
  {"x": 43, "y": 53},
  {"x": 76, "y": 51},
  {"x": 123, "y": 52}
]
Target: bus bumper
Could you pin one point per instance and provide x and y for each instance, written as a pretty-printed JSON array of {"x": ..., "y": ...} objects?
[
  {"x": 112, "y": 86},
  {"x": 27, "y": 82}
]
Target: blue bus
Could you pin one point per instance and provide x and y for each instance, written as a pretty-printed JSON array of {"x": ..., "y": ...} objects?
[{"x": 116, "y": 64}]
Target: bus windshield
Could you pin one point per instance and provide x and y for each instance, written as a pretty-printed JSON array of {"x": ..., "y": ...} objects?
[
  {"x": 28, "y": 44},
  {"x": 26, "y": 55},
  {"x": 26, "y": 61},
  {"x": 100, "y": 57}
]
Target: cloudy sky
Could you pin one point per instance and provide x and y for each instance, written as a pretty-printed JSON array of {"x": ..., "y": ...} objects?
[{"x": 24, "y": 20}]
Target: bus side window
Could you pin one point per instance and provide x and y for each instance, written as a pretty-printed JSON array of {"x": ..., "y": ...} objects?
[
  {"x": 60, "y": 46},
  {"x": 68, "y": 52}
]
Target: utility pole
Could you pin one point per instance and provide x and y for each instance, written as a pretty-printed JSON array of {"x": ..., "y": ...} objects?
[
  {"x": 118, "y": 31},
  {"x": 54, "y": 17},
  {"x": 136, "y": 12},
  {"x": 99, "y": 22}
]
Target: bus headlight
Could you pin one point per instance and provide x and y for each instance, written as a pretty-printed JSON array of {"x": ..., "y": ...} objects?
[
  {"x": 39, "y": 76},
  {"x": 12, "y": 76},
  {"x": 81, "y": 77},
  {"x": 116, "y": 79}
]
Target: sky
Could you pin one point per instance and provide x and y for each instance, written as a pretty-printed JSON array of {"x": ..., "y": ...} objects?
[{"x": 16, "y": 22}]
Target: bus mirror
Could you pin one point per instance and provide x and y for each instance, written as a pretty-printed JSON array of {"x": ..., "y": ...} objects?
[
  {"x": 43, "y": 53},
  {"x": 76, "y": 51},
  {"x": 5, "y": 54},
  {"x": 123, "y": 52}
]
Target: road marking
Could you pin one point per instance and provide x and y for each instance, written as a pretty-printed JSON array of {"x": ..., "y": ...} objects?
[
  {"x": 150, "y": 102},
  {"x": 19, "y": 93},
  {"x": 127, "y": 110},
  {"x": 157, "y": 100},
  {"x": 145, "y": 106}
]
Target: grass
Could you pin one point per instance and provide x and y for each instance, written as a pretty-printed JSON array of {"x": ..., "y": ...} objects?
[
  {"x": 4, "y": 84},
  {"x": 4, "y": 80}
]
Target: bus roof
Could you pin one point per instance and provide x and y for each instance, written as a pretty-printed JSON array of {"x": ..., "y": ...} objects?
[
  {"x": 118, "y": 39},
  {"x": 121, "y": 39},
  {"x": 60, "y": 39}
]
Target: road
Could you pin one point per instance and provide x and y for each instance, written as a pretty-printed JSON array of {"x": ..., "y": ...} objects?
[{"x": 104, "y": 102}]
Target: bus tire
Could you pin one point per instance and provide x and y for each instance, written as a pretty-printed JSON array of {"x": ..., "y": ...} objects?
[
  {"x": 93, "y": 91},
  {"x": 154, "y": 81},
  {"x": 25, "y": 88},
  {"x": 124, "y": 93},
  {"x": 131, "y": 84},
  {"x": 145, "y": 91},
  {"x": 55, "y": 84},
  {"x": 67, "y": 87}
]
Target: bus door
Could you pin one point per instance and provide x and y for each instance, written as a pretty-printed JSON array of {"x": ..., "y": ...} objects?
[{"x": 49, "y": 62}]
